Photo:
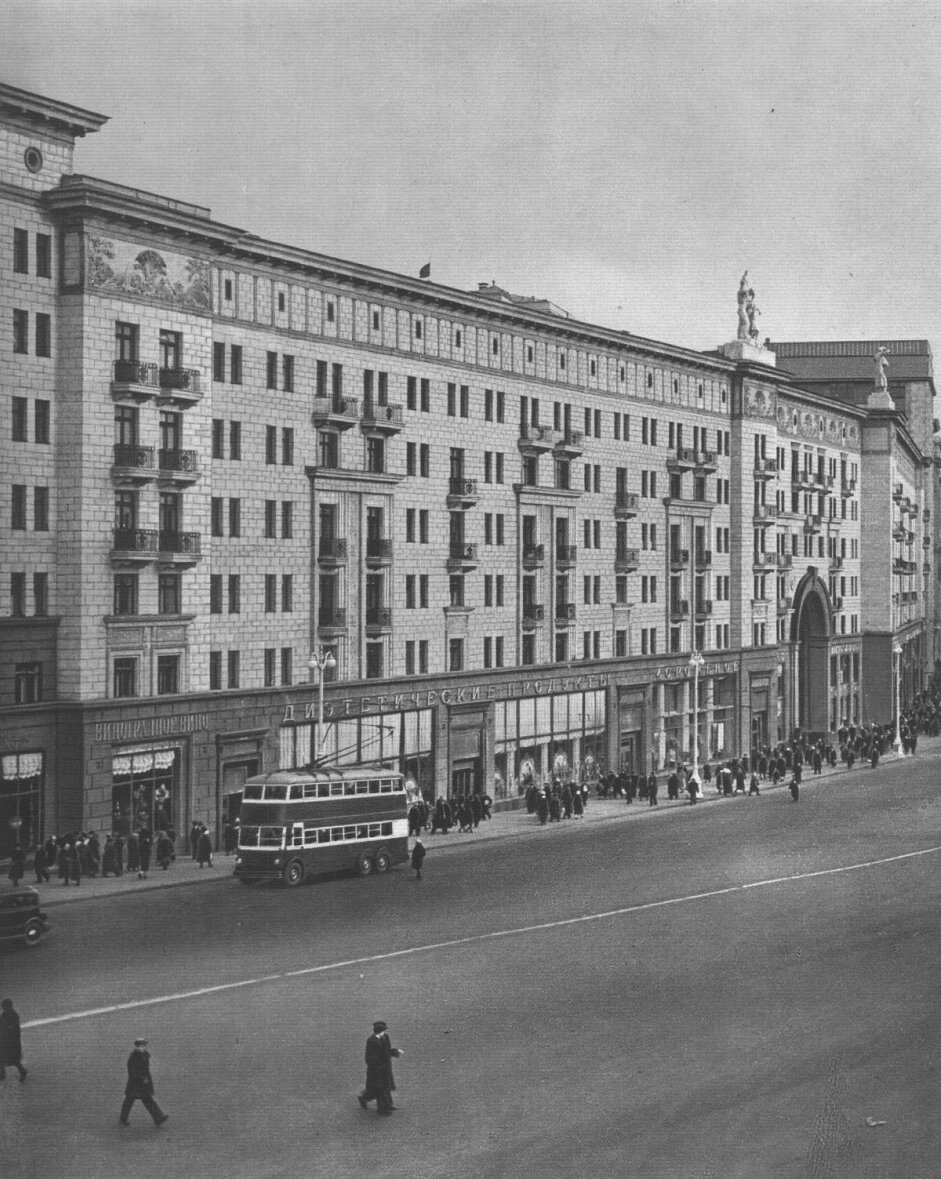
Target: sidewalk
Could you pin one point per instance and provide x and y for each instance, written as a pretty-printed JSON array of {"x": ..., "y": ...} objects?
[{"x": 503, "y": 825}]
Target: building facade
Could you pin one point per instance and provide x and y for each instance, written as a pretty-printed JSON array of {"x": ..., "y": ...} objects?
[{"x": 509, "y": 530}]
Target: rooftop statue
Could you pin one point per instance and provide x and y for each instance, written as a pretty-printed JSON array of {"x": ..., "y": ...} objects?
[
  {"x": 743, "y": 294},
  {"x": 881, "y": 360}
]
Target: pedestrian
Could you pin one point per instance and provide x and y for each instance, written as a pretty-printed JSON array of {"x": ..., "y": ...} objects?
[
  {"x": 11, "y": 1042},
  {"x": 418, "y": 857},
  {"x": 753, "y": 788},
  {"x": 145, "y": 843},
  {"x": 652, "y": 787},
  {"x": 17, "y": 865},
  {"x": 40, "y": 866},
  {"x": 108, "y": 862},
  {"x": 795, "y": 788},
  {"x": 140, "y": 1085},
  {"x": 204, "y": 848},
  {"x": 380, "y": 1084},
  {"x": 692, "y": 788},
  {"x": 195, "y": 831}
]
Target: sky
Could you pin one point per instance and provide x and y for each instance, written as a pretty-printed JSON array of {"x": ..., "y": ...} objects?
[{"x": 626, "y": 160}]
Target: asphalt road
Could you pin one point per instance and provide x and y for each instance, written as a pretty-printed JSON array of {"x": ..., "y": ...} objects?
[{"x": 717, "y": 991}]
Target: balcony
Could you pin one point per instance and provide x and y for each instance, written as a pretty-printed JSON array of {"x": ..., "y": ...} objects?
[
  {"x": 534, "y": 557},
  {"x": 378, "y": 551},
  {"x": 338, "y": 412},
  {"x": 909, "y": 507},
  {"x": 462, "y": 556},
  {"x": 926, "y": 568},
  {"x": 806, "y": 480},
  {"x": 847, "y": 487},
  {"x": 564, "y": 613},
  {"x": 762, "y": 561},
  {"x": 784, "y": 560},
  {"x": 765, "y": 514},
  {"x": 331, "y": 620},
  {"x": 766, "y": 468},
  {"x": 179, "y": 387},
  {"x": 178, "y": 468},
  {"x": 570, "y": 443},
  {"x": 331, "y": 550},
  {"x": 679, "y": 610},
  {"x": 179, "y": 549},
  {"x": 462, "y": 494},
  {"x": 836, "y": 564},
  {"x": 133, "y": 381},
  {"x": 380, "y": 419},
  {"x": 133, "y": 546},
  {"x": 904, "y": 568},
  {"x": 898, "y": 494},
  {"x": 534, "y": 440},
  {"x": 566, "y": 556},
  {"x": 812, "y": 524},
  {"x": 133, "y": 465},
  {"x": 926, "y": 542},
  {"x": 679, "y": 558},
  {"x": 705, "y": 462},
  {"x": 533, "y": 615},
  {"x": 703, "y": 608},
  {"x": 626, "y": 505},
  {"x": 785, "y": 604},
  {"x": 378, "y": 620},
  {"x": 926, "y": 516},
  {"x": 683, "y": 459},
  {"x": 625, "y": 560},
  {"x": 702, "y": 558},
  {"x": 899, "y": 532}
]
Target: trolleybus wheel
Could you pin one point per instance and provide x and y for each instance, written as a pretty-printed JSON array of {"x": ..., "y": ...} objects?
[
  {"x": 293, "y": 873},
  {"x": 383, "y": 861},
  {"x": 33, "y": 932},
  {"x": 364, "y": 863}
]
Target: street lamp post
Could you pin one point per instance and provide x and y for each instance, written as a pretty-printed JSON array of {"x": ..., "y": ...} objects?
[
  {"x": 320, "y": 663},
  {"x": 897, "y": 652},
  {"x": 696, "y": 661}
]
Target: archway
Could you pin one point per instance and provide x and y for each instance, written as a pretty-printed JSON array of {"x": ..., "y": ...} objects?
[{"x": 810, "y": 634}]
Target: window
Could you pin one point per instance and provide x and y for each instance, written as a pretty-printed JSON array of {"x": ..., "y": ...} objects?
[
  {"x": 411, "y": 456},
  {"x": 373, "y": 661},
  {"x": 17, "y": 594},
  {"x": 218, "y": 362},
  {"x": 215, "y": 593},
  {"x": 227, "y": 290},
  {"x": 287, "y": 665},
  {"x": 375, "y": 455},
  {"x": 423, "y": 526},
  {"x": 169, "y": 593},
  {"x": 452, "y": 400},
  {"x": 20, "y": 331},
  {"x": 271, "y": 593},
  {"x": 287, "y": 519},
  {"x": 41, "y": 594},
  {"x": 287, "y": 446},
  {"x": 410, "y": 591},
  {"x": 424, "y": 460},
  {"x": 488, "y": 405},
  {"x": 218, "y": 438},
  {"x": 271, "y": 656},
  {"x": 235, "y": 517},
  {"x": 455, "y": 655},
  {"x": 40, "y": 509},
  {"x": 168, "y": 674},
  {"x": 20, "y": 419},
  {"x": 170, "y": 350},
  {"x": 271, "y": 445},
  {"x": 411, "y": 393},
  {"x": 423, "y": 591},
  {"x": 271, "y": 370},
  {"x": 125, "y": 593},
  {"x": 235, "y": 364},
  {"x": 488, "y": 651},
  {"x": 124, "y": 677},
  {"x": 425, "y": 387},
  {"x": 235, "y": 591},
  {"x": 465, "y": 401},
  {"x": 233, "y": 669},
  {"x": 409, "y": 525},
  {"x": 287, "y": 592},
  {"x": 329, "y": 448},
  {"x": 41, "y": 421},
  {"x": 422, "y": 656},
  {"x": 409, "y": 657},
  {"x": 20, "y": 251},
  {"x": 43, "y": 255},
  {"x": 215, "y": 515},
  {"x": 235, "y": 440},
  {"x": 620, "y": 644}
]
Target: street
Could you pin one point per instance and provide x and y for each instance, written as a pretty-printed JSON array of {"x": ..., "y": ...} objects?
[{"x": 730, "y": 989}]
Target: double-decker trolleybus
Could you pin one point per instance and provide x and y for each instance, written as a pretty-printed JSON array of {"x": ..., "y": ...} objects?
[{"x": 298, "y": 824}]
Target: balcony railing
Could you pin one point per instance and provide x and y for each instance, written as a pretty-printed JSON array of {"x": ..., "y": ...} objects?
[
  {"x": 331, "y": 618},
  {"x": 534, "y": 556},
  {"x": 571, "y": 442},
  {"x": 682, "y": 459},
  {"x": 705, "y": 461},
  {"x": 341, "y": 412},
  {"x": 702, "y": 608},
  {"x": 133, "y": 465},
  {"x": 765, "y": 513},
  {"x": 679, "y": 558},
  {"x": 679, "y": 609},
  {"x": 784, "y": 560},
  {"x": 178, "y": 466},
  {"x": 184, "y": 545},
  {"x": 766, "y": 467},
  {"x": 460, "y": 556},
  {"x": 566, "y": 555},
  {"x": 331, "y": 550},
  {"x": 702, "y": 558},
  {"x": 534, "y": 439},
  {"x": 462, "y": 493},
  {"x": 564, "y": 613},
  {"x": 847, "y": 487},
  {"x": 139, "y": 543},
  {"x": 179, "y": 386},
  {"x": 812, "y": 524},
  {"x": 387, "y": 418},
  {"x": 626, "y": 505},
  {"x": 836, "y": 563},
  {"x": 378, "y": 618},
  {"x": 764, "y": 560},
  {"x": 378, "y": 550},
  {"x": 625, "y": 560},
  {"x": 533, "y": 615}
]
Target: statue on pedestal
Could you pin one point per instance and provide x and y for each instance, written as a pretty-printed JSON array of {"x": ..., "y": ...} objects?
[
  {"x": 743, "y": 294},
  {"x": 881, "y": 360}
]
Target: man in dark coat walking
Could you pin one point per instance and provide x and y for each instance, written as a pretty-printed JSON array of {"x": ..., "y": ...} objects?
[
  {"x": 140, "y": 1085},
  {"x": 17, "y": 865},
  {"x": 380, "y": 1083},
  {"x": 418, "y": 857},
  {"x": 11, "y": 1044}
]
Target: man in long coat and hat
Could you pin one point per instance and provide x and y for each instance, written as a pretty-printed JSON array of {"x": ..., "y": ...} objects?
[{"x": 380, "y": 1083}]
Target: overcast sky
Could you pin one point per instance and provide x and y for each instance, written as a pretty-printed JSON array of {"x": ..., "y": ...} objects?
[{"x": 627, "y": 160}]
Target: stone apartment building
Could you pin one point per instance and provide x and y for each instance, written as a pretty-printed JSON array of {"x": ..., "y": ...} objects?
[{"x": 505, "y": 531}]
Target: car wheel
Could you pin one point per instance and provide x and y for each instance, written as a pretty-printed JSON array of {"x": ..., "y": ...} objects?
[
  {"x": 293, "y": 873},
  {"x": 33, "y": 932}
]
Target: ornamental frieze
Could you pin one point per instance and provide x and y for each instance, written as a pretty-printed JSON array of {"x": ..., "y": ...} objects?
[
  {"x": 816, "y": 426},
  {"x": 124, "y": 268}
]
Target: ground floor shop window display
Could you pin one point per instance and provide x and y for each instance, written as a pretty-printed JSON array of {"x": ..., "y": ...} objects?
[
  {"x": 537, "y": 737},
  {"x": 144, "y": 789},
  {"x": 21, "y": 800}
]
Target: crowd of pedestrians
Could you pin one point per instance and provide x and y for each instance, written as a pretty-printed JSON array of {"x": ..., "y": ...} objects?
[{"x": 465, "y": 811}]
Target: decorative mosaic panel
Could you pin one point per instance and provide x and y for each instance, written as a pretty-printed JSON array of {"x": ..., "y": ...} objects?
[{"x": 125, "y": 268}]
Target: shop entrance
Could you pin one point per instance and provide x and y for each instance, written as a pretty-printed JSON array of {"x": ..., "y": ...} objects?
[
  {"x": 465, "y": 778},
  {"x": 234, "y": 775}
]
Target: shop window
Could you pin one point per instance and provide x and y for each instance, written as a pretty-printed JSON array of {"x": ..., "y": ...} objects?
[
  {"x": 143, "y": 791},
  {"x": 21, "y": 800}
]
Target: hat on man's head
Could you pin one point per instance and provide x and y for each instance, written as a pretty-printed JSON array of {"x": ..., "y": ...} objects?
[
  {"x": 138, "y": 1042},
  {"x": 379, "y": 1026}
]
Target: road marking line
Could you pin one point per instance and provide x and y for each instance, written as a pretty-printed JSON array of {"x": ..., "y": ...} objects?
[{"x": 451, "y": 943}]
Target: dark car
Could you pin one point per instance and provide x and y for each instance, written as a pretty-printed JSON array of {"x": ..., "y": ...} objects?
[{"x": 21, "y": 917}]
